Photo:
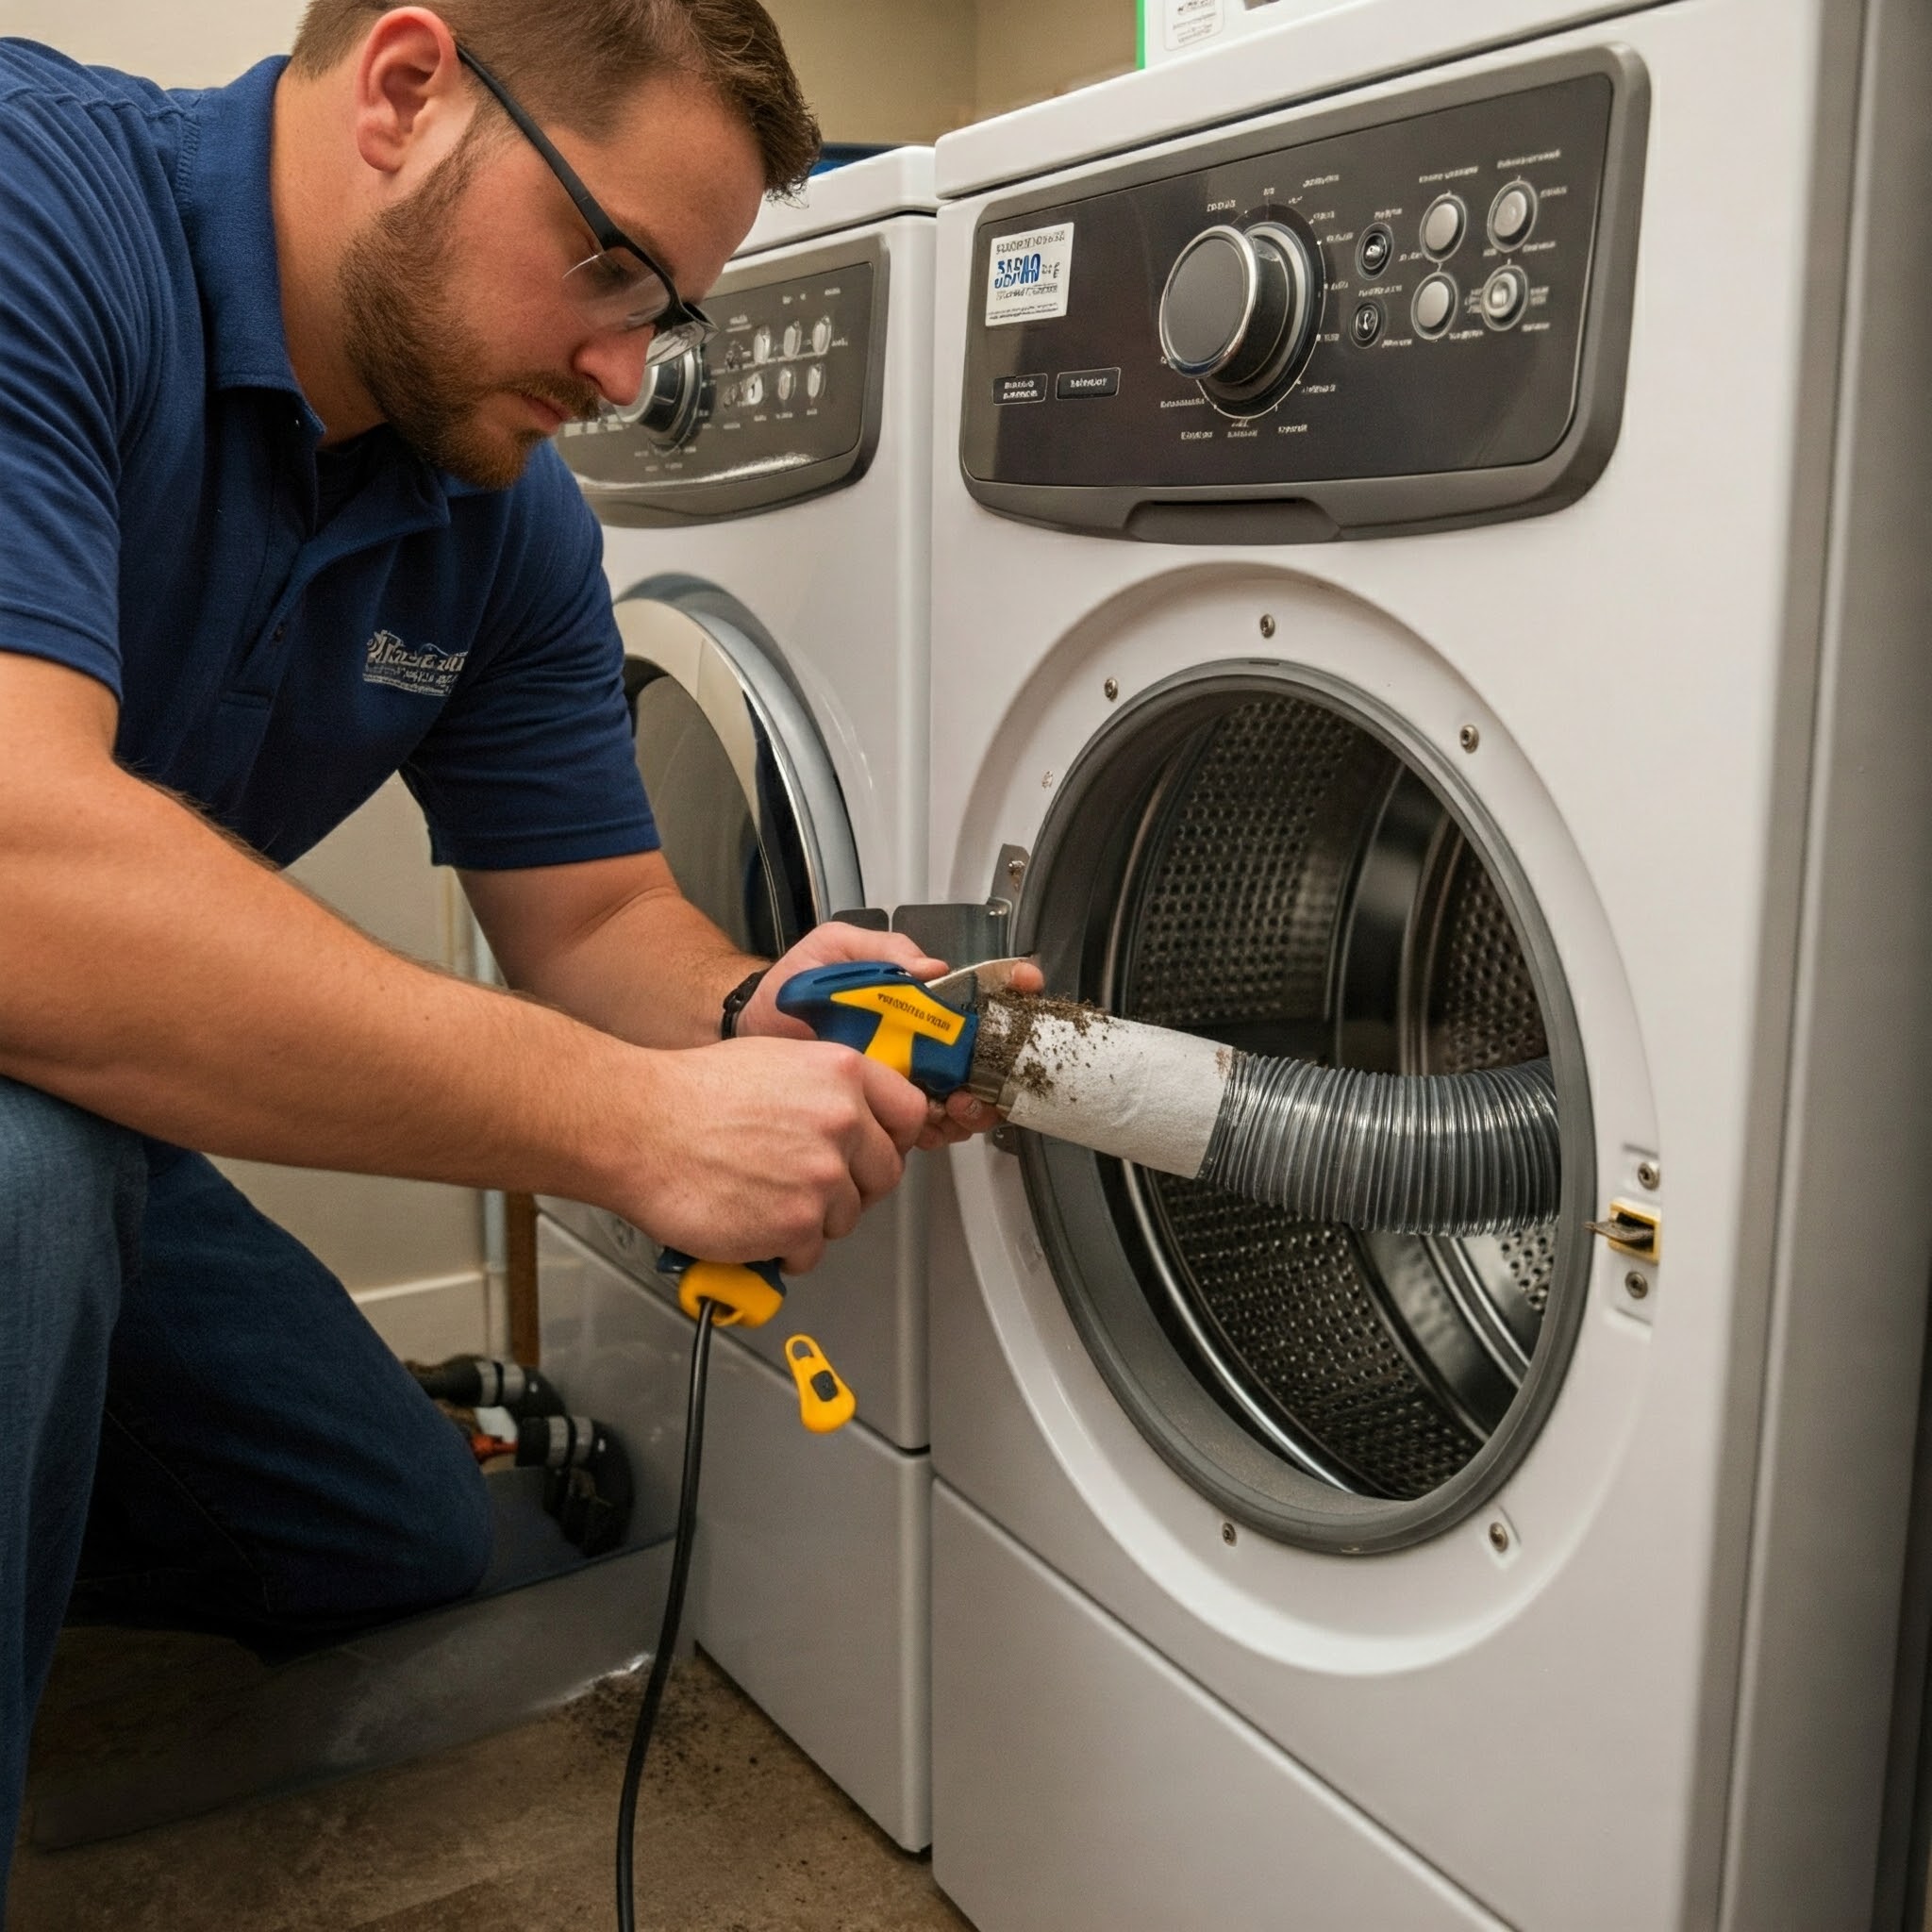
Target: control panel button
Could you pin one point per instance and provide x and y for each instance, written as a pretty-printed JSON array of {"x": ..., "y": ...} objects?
[
  {"x": 752, "y": 390},
  {"x": 1444, "y": 222},
  {"x": 1513, "y": 214},
  {"x": 1374, "y": 251},
  {"x": 1434, "y": 304},
  {"x": 1367, "y": 322},
  {"x": 1020, "y": 389},
  {"x": 822, "y": 335},
  {"x": 1086, "y": 382},
  {"x": 814, "y": 382},
  {"x": 788, "y": 381},
  {"x": 793, "y": 339},
  {"x": 1505, "y": 296},
  {"x": 761, "y": 346}
]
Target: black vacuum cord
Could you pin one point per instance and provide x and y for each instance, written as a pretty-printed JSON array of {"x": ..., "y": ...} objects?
[{"x": 674, "y": 1610}]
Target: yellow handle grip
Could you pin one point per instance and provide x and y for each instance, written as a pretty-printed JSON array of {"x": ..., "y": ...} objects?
[
  {"x": 825, "y": 1402},
  {"x": 749, "y": 1299}
]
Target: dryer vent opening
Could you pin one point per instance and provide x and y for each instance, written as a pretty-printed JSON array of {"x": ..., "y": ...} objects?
[{"x": 1267, "y": 864}]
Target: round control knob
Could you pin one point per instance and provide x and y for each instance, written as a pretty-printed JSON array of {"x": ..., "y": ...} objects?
[
  {"x": 822, "y": 335},
  {"x": 761, "y": 346},
  {"x": 815, "y": 381},
  {"x": 667, "y": 406},
  {"x": 788, "y": 381},
  {"x": 1434, "y": 305},
  {"x": 752, "y": 390},
  {"x": 1513, "y": 214},
  {"x": 1442, "y": 223},
  {"x": 1239, "y": 311},
  {"x": 794, "y": 338}
]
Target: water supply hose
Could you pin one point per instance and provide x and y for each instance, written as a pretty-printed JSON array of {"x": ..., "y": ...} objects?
[{"x": 1408, "y": 1153}]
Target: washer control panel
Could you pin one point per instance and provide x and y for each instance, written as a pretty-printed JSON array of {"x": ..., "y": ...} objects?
[
  {"x": 781, "y": 403},
  {"x": 1410, "y": 313}
]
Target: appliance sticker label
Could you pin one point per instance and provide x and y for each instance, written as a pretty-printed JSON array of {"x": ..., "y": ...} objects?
[
  {"x": 1189, "y": 21},
  {"x": 1027, "y": 276}
]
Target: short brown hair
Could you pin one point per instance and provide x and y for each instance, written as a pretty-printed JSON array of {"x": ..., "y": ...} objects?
[{"x": 575, "y": 62}]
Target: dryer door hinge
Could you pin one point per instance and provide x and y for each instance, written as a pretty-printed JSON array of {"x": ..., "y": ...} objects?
[{"x": 963, "y": 934}]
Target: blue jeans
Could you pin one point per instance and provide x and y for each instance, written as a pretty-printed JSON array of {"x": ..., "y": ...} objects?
[{"x": 199, "y": 1428}]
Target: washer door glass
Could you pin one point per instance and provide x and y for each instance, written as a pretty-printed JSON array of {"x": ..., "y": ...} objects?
[{"x": 744, "y": 790}]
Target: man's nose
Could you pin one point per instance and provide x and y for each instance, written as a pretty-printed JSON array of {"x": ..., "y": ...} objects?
[{"x": 615, "y": 362}]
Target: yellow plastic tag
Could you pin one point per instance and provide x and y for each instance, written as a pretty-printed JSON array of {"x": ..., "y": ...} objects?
[
  {"x": 750, "y": 1299},
  {"x": 825, "y": 1402}
]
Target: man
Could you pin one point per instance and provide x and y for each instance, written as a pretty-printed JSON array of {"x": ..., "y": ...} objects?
[{"x": 277, "y": 517}]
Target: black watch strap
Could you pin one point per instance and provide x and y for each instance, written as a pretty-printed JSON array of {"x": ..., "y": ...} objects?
[{"x": 737, "y": 1000}]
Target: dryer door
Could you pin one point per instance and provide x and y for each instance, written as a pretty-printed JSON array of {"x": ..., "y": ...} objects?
[
  {"x": 1261, "y": 855},
  {"x": 747, "y": 803}
]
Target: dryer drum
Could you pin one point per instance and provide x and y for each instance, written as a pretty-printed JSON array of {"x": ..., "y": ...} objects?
[{"x": 1267, "y": 860}]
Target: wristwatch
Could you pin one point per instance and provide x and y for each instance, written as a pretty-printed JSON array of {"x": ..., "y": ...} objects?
[{"x": 737, "y": 1000}]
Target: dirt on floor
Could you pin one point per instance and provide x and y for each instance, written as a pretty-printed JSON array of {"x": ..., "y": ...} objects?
[{"x": 738, "y": 1832}]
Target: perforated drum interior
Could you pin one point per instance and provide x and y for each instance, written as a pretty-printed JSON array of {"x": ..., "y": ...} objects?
[{"x": 1264, "y": 860}]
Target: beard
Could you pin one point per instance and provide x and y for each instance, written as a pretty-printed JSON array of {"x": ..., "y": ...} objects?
[{"x": 407, "y": 337}]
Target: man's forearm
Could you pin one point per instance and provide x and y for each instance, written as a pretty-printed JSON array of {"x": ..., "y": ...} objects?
[
  {"x": 639, "y": 961},
  {"x": 154, "y": 973}
]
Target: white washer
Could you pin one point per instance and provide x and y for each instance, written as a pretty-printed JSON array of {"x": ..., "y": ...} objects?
[
  {"x": 1286, "y": 1577},
  {"x": 766, "y": 508}
]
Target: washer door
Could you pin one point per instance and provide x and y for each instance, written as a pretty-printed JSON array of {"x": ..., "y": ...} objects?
[{"x": 747, "y": 803}]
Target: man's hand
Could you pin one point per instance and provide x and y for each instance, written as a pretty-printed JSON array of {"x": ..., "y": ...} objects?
[
  {"x": 768, "y": 1148},
  {"x": 960, "y": 1116}
]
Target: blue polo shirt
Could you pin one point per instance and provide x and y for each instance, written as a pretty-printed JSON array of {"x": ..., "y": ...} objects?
[{"x": 279, "y": 644}]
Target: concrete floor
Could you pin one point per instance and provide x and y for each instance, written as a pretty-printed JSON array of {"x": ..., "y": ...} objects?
[{"x": 738, "y": 1832}]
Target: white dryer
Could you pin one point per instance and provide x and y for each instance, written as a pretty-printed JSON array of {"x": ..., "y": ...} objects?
[
  {"x": 766, "y": 508},
  {"x": 1429, "y": 574}
]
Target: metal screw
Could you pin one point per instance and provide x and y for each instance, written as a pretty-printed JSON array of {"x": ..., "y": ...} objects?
[
  {"x": 1016, "y": 868},
  {"x": 1468, "y": 738},
  {"x": 1635, "y": 1285},
  {"x": 1228, "y": 1532},
  {"x": 1499, "y": 1536},
  {"x": 1267, "y": 627},
  {"x": 1648, "y": 1173},
  {"x": 1112, "y": 688}
]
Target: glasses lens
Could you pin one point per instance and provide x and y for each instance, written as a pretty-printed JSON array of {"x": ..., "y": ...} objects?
[
  {"x": 670, "y": 342},
  {"x": 615, "y": 290}
]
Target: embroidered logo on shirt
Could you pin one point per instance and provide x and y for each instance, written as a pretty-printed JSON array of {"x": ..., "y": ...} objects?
[{"x": 423, "y": 669}]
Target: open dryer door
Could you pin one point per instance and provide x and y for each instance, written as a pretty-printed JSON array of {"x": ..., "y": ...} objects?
[
  {"x": 1265, "y": 856},
  {"x": 747, "y": 804}
]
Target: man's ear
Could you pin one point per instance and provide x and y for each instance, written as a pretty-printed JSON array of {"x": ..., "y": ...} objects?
[{"x": 410, "y": 103}]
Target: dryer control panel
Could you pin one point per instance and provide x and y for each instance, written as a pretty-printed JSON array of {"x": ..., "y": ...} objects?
[
  {"x": 782, "y": 403},
  {"x": 1406, "y": 314}
]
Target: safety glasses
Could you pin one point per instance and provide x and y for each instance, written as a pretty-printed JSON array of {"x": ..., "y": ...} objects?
[{"x": 620, "y": 287}]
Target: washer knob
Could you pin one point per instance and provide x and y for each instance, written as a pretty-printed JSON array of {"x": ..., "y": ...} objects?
[
  {"x": 667, "y": 406},
  {"x": 1238, "y": 307}
]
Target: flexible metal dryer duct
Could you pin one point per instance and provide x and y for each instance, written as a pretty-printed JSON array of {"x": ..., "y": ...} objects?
[{"x": 1450, "y": 1154}]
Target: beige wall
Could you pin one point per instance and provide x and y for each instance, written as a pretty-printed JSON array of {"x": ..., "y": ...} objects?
[
  {"x": 911, "y": 70},
  {"x": 178, "y": 43},
  {"x": 1028, "y": 50},
  {"x": 882, "y": 69}
]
